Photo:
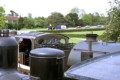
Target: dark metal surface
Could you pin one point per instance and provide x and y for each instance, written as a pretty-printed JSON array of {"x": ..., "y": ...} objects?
[
  {"x": 42, "y": 35},
  {"x": 40, "y": 40},
  {"x": 8, "y": 52},
  {"x": 5, "y": 33},
  {"x": 46, "y": 64},
  {"x": 9, "y": 58},
  {"x": 47, "y": 53},
  {"x": 91, "y": 37},
  {"x": 100, "y": 68},
  {"x": 11, "y": 74}
]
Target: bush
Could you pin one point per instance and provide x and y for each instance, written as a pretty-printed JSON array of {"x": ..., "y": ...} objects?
[{"x": 72, "y": 30}]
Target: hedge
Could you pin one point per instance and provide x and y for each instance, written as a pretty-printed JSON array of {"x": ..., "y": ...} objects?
[{"x": 72, "y": 30}]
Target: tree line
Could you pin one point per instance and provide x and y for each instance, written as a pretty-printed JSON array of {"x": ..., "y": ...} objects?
[{"x": 73, "y": 19}]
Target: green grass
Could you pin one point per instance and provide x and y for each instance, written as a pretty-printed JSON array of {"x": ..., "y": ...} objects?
[
  {"x": 76, "y": 40},
  {"x": 84, "y": 32},
  {"x": 40, "y": 29}
]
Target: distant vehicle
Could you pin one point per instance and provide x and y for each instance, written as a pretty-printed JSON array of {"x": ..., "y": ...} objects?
[
  {"x": 97, "y": 26},
  {"x": 85, "y": 27},
  {"x": 61, "y": 27},
  {"x": 100, "y": 26},
  {"x": 78, "y": 26}
]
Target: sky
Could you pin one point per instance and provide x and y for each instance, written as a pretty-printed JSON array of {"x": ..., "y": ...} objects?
[{"x": 46, "y": 7}]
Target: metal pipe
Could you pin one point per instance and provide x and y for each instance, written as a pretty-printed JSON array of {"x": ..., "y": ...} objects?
[{"x": 90, "y": 53}]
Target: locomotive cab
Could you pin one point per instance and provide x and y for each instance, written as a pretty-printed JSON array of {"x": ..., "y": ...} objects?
[{"x": 32, "y": 40}]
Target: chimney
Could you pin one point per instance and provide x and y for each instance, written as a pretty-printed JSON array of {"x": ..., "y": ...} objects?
[{"x": 91, "y": 37}]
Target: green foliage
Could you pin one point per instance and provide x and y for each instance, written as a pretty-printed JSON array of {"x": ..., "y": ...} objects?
[
  {"x": 94, "y": 19},
  {"x": 118, "y": 40},
  {"x": 28, "y": 22},
  {"x": 2, "y": 17},
  {"x": 12, "y": 25},
  {"x": 103, "y": 20},
  {"x": 76, "y": 35},
  {"x": 13, "y": 13},
  {"x": 104, "y": 37},
  {"x": 79, "y": 12},
  {"x": 113, "y": 28},
  {"x": 80, "y": 23},
  {"x": 56, "y": 18},
  {"x": 20, "y": 23},
  {"x": 75, "y": 10},
  {"x": 41, "y": 22},
  {"x": 87, "y": 18},
  {"x": 29, "y": 15},
  {"x": 72, "y": 30},
  {"x": 72, "y": 19}
]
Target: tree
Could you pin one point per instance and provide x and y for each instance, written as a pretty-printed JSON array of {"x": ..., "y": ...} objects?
[
  {"x": 80, "y": 23},
  {"x": 103, "y": 20},
  {"x": 56, "y": 18},
  {"x": 2, "y": 17},
  {"x": 20, "y": 23},
  {"x": 79, "y": 12},
  {"x": 12, "y": 19},
  {"x": 72, "y": 19},
  {"x": 75, "y": 10},
  {"x": 28, "y": 23},
  {"x": 13, "y": 13},
  {"x": 113, "y": 27},
  {"x": 41, "y": 22},
  {"x": 87, "y": 19},
  {"x": 12, "y": 25},
  {"x": 95, "y": 18},
  {"x": 29, "y": 15}
]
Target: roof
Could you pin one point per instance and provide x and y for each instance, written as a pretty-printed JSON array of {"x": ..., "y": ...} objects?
[
  {"x": 12, "y": 18},
  {"x": 34, "y": 35},
  {"x": 106, "y": 67},
  {"x": 98, "y": 47}
]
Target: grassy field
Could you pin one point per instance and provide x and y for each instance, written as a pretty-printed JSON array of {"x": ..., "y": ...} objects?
[
  {"x": 84, "y": 32},
  {"x": 76, "y": 40}
]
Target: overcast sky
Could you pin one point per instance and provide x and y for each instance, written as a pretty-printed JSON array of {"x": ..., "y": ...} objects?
[{"x": 45, "y": 7}]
